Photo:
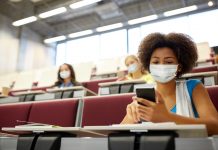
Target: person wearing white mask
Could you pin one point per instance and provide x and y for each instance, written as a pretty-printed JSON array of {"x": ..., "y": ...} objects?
[
  {"x": 168, "y": 57},
  {"x": 66, "y": 77},
  {"x": 135, "y": 70}
]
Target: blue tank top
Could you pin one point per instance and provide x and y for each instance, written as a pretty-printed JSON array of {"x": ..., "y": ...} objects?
[{"x": 191, "y": 84}]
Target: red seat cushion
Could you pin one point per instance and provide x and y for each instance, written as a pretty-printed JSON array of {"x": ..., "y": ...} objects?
[
  {"x": 93, "y": 85},
  {"x": 213, "y": 92},
  {"x": 205, "y": 69},
  {"x": 12, "y": 112},
  {"x": 56, "y": 112},
  {"x": 105, "y": 110}
]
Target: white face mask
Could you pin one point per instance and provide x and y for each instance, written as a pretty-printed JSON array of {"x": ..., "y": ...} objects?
[
  {"x": 132, "y": 68},
  {"x": 65, "y": 74},
  {"x": 163, "y": 73}
]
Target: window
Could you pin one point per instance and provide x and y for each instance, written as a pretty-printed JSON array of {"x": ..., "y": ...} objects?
[
  {"x": 83, "y": 50},
  {"x": 172, "y": 25},
  {"x": 203, "y": 27},
  {"x": 113, "y": 44},
  {"x": 134, "y": 39},
  {"x": 61, "y": 54}
]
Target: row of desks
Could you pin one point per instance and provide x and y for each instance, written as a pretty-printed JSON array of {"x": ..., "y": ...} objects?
[
  {"x": 209, "y": 78},
  {"x": 192, "y": 137}
]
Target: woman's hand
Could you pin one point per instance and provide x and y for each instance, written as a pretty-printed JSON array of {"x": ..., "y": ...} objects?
[
  {"x": 150, "y": 111},
  {"x": 132, "y": 116}
]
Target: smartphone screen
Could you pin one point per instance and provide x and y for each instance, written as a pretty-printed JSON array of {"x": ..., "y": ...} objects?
[{"x": 146, "y": 93}]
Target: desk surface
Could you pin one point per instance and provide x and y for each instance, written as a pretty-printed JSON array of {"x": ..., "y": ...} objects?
[
  {"x": 120, "y": 82},
  {"x": 81, "y": 132},
  {"x": 102, "y": 131},
  {"x": 70, "y": 88},
  {"x": 199, "y": 74},
  {"x": 3, "y": 96},
  {"x": 182, "y": 130},
  {"x": 28, "y": 92}
]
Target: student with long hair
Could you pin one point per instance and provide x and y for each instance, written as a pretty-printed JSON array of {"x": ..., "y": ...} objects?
[
  {"x": 66, "y": 76},
  {"x": 135, "y": 70}
]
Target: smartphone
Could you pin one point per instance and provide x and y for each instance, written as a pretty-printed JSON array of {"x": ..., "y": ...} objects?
[{"x": 146, "y": 93}]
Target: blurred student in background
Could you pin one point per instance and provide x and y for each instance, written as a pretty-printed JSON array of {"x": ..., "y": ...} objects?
[
  {"x": 168, "y": 57},
  {"x": 135, "y": 70},
  {"x": 66, "y": 77}
]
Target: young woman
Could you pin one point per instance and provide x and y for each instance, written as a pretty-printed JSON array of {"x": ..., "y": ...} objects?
[
  {"x": 135, "y": 70},
  {"x": 167, "y": 57},
  {"x": 66, "y": 76}
]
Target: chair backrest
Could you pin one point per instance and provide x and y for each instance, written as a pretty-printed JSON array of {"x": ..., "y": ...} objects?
[
  {"x": 83, "y": 71},
  {"x": 93, "y": 85},
  {"x": 56, "y": 112},
  {"x": 204, "y": 51},
  {"x": 105, "y": 110},
  {"x": 7, "y": 80},
  {"x": 205, "y": 69},
  {"x": 213, "y": 92},
  {"x": 47, "y": 77},
  {"x": 10, "y": 113},
  {"x": 24, "y": 80},
  {"x": 107, "y": 66}
]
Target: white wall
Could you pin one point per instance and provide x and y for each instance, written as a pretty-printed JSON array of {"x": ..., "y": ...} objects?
[
  {"x": 8, "y": 46},
  {"x": 22, "y": 49},
  {"x": 33, "y": 53}
]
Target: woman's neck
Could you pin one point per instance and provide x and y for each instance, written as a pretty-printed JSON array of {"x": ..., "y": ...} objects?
[
  {"x": 67, "y": 80},
  {"x": 166, "y": 89},
  {"x": 137, "y": 75}
]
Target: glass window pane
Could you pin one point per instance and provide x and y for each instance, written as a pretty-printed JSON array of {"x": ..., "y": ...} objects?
[
  {"x": 61, "y": 54},
  {"x": 134, "y": 39},
  {"x": 83, "y": 50},
  {"x": 113, "y": 44},
  {"x": 172, "y": 25},
  {"x": 203, "y": 27}
]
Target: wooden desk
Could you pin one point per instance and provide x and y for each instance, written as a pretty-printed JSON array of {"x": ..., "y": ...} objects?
[
  {"x": 121, "y": 86},
  {"x": 80, "y": 132},
  {"x": 182, "y": 130},
  {"x": 58, "y": 93},
  {"x": 208, "y": 78}
]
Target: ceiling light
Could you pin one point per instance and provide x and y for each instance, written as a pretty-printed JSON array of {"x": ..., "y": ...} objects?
[
  {"x": 82, "y": 33},
  {"x": 83, "y": 3},
  {"x": 210, "y": 3},
  {"x": 109, "y": 27},
  {"x": 143, "y": 19},
  {"x": 53, "y": 12},
  {"x": 24, "y": 21},
  {"x": 180, "y": 11},
  {"x": 55, "y": 39}
]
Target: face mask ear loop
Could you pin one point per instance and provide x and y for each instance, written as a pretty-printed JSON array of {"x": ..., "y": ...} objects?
[{"x": 178, "y": 70}]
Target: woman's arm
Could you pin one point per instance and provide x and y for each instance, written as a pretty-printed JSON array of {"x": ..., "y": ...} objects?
[{"x": 157, "y": 112}]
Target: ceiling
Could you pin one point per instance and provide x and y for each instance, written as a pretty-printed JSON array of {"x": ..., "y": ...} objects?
[{"x": 103, "y": 13}]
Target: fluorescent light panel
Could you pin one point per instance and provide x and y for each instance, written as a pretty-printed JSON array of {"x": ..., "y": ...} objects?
[
  {"x": 143, "y": 19},
  {"x": 109, "y": 27},
  {"x": 82, "y": 33},
  {"x": 53, "y": 12},
  {"x": 180, "y": 11},
  {"x": 55, "y": 39},
  {"x": 210, "y": 3},
  {"x": 83, "y": 3},
  {"x": 24, "y": 21}
]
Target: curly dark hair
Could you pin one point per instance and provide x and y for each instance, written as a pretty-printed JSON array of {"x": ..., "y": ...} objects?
[
  {"x": 181, "y": 44},
  {"x": 72, "y": 74}
]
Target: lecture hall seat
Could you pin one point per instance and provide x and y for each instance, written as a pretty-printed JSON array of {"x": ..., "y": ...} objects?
[
  {"x": 56, "y": 112},
  {"x": 93, "y": 85},
  {"x": 205, "y": 69},
  {"x": 105, "y": 110},
  {"x": 10, "y": 113}
]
